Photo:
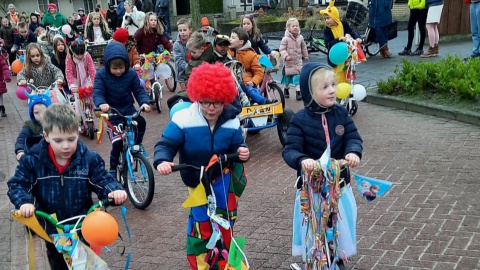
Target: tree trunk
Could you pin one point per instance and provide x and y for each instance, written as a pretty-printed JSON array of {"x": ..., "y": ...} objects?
[{"x": 195, "y": 13}]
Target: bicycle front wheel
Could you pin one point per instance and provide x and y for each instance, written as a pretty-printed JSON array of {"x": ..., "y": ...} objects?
[
  {"x": 139, "y": 181},
  {"x": 171, "y": 82},
  {"x": 274, "y": 92}
]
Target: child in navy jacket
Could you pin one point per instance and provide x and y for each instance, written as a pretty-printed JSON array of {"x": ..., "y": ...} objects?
[{"x": 113, "y": 87}]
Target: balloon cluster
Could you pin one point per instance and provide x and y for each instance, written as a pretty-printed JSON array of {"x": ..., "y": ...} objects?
[{"x": 344, "y": 89}]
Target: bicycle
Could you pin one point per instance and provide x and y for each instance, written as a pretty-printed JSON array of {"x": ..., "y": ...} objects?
[
  {"x": 315, "y": 44},
  {"x": 170, "y": 81},
  {"x": 68, "y": 241},
  {"x": 155, "y": 68},
  {"x": 85, "y": 108},
  {"x": 97, "y": 51},
  {"x": 134, "y": 171},
  {"x": 55, "y": 91},
  {"x": 317, "y": 217},
  {"x": 257, "y": 117},
  {"x": 218, "y": 195}
]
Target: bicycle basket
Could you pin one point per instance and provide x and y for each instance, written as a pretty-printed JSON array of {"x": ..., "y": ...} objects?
[
  {"x": 96, "y": 50},
  {"x": 356, "y": 13}
]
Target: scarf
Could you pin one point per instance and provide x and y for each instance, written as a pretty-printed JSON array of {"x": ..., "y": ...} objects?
[{"x": 82, "y": 79}]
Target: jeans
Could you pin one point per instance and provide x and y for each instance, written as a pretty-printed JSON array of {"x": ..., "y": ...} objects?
[
  {"x": 475, "y": 27},
  {"x": 255, "y": 95},
  {"x": 382, "y": 35}
]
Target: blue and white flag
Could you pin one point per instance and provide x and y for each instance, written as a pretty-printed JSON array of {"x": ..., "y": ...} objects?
[{"x": 371, "y": 188}]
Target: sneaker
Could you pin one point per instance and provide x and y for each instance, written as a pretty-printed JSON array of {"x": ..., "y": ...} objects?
[
  {"x": 405, "y": 52},
  {"x": 270, "y": 101},
  {"x": 298, "y": 95},
  {"x": 418, "y": 52},
  {"x": 286, "y": 92}
]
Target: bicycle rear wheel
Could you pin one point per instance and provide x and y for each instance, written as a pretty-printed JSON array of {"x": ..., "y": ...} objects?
[
  {"x": 141, "y": 186},
  {"x": 283, "y": 122}
]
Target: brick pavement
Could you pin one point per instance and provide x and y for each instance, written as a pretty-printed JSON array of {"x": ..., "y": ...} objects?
[{"x": 430, "y": 220}]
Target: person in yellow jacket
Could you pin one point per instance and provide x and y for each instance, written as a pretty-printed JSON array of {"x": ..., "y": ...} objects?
[{"x": 418, "y": 14}]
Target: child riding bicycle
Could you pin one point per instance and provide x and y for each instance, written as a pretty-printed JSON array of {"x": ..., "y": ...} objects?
[
  {"x": 69, "y": 173},
  {"x": 114, "y": 85},
  {"x": 307, "y": 142},
  {"x": 212, "y": 89}
]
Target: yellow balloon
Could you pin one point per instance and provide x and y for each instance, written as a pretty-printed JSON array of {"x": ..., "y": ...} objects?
[{"x": 343, "y": 90}]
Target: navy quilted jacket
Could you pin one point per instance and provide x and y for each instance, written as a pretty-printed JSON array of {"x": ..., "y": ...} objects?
[
  {"x": 37, "y": 181},
  {"x": 306, "y": 136},
  {"x": 117, "y": 91}
]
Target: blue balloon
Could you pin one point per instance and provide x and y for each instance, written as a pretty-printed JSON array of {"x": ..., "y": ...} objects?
[
  {"x": 338, "y": 53},
  {"x": 178, "y": 107},
  {"x": 21, "y": 58}
]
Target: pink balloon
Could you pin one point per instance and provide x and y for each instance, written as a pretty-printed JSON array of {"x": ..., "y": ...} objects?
[
  {"x": 66, "y": 29},
  {"x": 21, "y": 92}
]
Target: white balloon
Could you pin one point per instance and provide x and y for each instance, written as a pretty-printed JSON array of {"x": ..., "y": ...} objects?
[
  {"x": 163, "y": 71},
  {"x": 359, "y": 92}
]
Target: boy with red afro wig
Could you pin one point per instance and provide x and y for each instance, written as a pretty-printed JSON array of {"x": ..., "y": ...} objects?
[
  {"x": 212, "y": 82},
  {"x": 209, "y": 126}
]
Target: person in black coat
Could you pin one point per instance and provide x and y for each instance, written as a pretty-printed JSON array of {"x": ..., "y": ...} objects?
[{"x": 112, "y": 18}]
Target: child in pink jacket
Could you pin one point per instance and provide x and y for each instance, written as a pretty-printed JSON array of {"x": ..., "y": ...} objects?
[
  {"x": 79, "y": 67},
  {"x": 293, "y": 49}
]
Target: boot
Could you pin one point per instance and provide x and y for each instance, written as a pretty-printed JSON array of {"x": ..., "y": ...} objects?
[
  {"x": 298, "y": 95},
  {"x": 382, "y": 55},
  {"x": 2, "y": 111},
  {"x": 429, "y": 53},
  {"x": 286, "y": 92},
  {"x": 435, "y": 50},
  {"x": 386, "y": 52}
]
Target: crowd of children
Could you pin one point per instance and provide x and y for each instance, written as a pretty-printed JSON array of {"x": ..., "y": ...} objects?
[{"x": 117, "y": 85}]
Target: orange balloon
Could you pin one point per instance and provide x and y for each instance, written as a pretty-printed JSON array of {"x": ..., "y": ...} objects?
[
  {"x": 100, "y": 228},
  {"x": 17, "y": 66}
]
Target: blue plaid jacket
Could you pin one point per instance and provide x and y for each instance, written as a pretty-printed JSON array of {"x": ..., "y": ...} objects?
[{"x": 69, "y": 194}]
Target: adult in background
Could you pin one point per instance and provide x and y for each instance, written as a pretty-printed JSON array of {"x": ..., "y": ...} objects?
[
  {"x": 147, "y": 6},
  {"x": 120, "y": 11},
  {"x": 162, "y": 8},
  {"x": 418, "y": 14},
  {"x": 380, "y": 17},
  {"x": 12, "y": 14},
  {"x": 112, "y": 17},
  {"x": 101, "y": 10},
  {"x": 133, "y": 19},
  {"x": 435, "y": 8},
  {"x": 475, "y": 27},
  {"x": 53, "y": 17},
  {"x": 138, "y": 4}
]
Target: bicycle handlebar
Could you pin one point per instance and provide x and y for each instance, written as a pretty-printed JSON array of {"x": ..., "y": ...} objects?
[
  {"x": 54, "y": 222},
  {"x": 117, "y": 113},
  {"x": 221, "y": 158}
]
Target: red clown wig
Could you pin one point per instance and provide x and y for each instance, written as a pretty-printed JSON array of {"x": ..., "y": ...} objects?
[{"x": 212, "y": 82}]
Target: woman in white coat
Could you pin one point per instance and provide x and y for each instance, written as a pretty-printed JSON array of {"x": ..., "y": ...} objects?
[{"x": 133, "y": 19}]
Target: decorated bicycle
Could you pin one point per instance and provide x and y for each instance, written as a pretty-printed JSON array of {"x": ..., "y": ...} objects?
[
  {"x": 98, "y": 228},
  {"x": 156, "y": 69},
  {"x": 83, "y": 104}
]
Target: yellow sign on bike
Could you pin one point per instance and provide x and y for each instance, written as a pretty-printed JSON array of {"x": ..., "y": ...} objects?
[{"x": 262, "y": 110}]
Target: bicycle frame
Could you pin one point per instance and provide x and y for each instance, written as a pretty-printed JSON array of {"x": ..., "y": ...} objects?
[
  {"x": 315, "y": 44},
  {"x": 140, "y": 190}
]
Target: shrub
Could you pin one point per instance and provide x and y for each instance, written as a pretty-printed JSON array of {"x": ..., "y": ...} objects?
[
  {"x": 211, "y": 6},
  {"x": 449, "y": 79},
  {"x": 317, "y": 20}
]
